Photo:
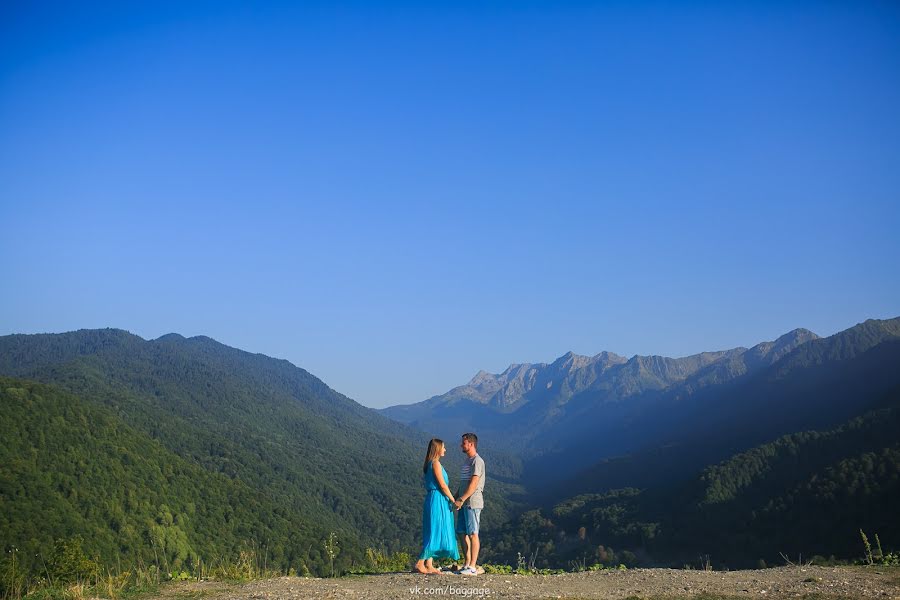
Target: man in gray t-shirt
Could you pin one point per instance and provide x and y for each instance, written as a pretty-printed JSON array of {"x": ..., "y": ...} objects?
[{"x": 469, "y": 502}]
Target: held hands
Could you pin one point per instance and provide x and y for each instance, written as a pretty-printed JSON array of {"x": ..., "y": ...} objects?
[{"x": 458, "y": 504}]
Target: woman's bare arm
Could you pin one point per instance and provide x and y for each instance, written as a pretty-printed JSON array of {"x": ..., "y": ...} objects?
[{"x": 439, "y": 477}]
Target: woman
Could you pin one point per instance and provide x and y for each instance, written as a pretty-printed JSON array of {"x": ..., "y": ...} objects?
[{"x": 439, "y": 540}]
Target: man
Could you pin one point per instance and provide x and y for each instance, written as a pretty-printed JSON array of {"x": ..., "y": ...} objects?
[{"x": 469, "y": 502}]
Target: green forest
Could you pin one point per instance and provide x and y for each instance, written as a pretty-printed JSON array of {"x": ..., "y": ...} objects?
[
  {"x": 177, "y": 451},
  {"x": 76, "y": 469}
]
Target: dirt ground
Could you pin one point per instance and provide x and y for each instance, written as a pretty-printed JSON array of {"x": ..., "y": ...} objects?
[{"x": 813, "y": 583}]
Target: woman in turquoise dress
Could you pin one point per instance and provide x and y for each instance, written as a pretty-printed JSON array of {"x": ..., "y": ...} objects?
[{"x": 438, "y": 537}]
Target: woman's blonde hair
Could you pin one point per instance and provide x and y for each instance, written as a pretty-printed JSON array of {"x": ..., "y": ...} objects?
[{"x": 433, "y": 453}]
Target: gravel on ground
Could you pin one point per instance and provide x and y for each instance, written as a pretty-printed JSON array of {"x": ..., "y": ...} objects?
[{"x": 811, "y": 583}]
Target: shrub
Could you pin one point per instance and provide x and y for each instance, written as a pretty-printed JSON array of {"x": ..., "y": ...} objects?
[{"x": 69, "y": 564}]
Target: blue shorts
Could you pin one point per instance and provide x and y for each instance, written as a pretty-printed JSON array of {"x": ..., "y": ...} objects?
[{"x": 468, "y": 520}]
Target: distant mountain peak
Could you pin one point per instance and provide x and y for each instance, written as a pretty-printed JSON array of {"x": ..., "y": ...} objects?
[
  {"x": 480, "y": 377},
  {"x": 514, "y": 368},
  {"x": 177, "y": 337},
  {"x": 170, "y": 337},
  {"x": 797, "y": 335},
  {"x": 570, "y": 361}
]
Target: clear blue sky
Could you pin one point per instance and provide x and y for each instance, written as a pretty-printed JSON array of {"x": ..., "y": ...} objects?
[{"x": 394, "y": 196}]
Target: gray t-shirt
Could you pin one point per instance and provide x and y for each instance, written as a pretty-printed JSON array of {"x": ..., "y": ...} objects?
[{"x": 472, "y": 466}]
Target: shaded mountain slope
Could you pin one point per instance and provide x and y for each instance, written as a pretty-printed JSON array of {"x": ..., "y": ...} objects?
[
  {"x": 803, "y": 390},
  {"x": 804, "y": 493},
  {"x": 563, "y": 416},
  {"x": 519, "y": 407}
]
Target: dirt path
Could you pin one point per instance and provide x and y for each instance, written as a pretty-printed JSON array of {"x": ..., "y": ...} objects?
[{"x": 821, "y": 583}]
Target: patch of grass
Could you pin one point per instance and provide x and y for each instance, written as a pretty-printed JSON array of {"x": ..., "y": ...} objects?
[
  {"x": 45, "y": 591},
  {"x": 381, "y": 561},
  {"x": 521, "y": 569}
]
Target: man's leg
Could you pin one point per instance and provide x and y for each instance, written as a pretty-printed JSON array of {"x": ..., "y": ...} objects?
[
  {"x": 476, "y": 546},
  {"x": 475, "y": 525},
  {"x": 464, "y": 541}
]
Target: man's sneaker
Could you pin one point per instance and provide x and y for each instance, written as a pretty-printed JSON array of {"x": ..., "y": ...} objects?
[{"x": 468, "y": 571}]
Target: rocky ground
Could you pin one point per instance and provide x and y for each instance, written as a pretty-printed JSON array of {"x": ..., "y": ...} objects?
[{"x": 819, "y": 583}]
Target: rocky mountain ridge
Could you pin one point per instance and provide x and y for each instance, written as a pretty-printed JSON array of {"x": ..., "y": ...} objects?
[{"x": 536, "y": 393}]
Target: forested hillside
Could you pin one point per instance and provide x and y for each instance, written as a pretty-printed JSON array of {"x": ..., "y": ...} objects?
[
  {"x": 73, "y": 468},
  {"x": 246, "y": 450}
]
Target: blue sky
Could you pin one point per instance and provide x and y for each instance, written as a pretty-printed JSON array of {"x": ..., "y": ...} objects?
[{"x": 396, "y": 195}]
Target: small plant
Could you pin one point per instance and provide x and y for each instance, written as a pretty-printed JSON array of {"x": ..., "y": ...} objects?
[
  {"x": 13, "y": 582},
  {"x": 879, "y": 558},
  {"x": 380, "y": 561},
  {"x": 532, "y": 560},
  {"x": 869, "y": 559},
  {"x": 114, "y": 584},
  {"x": 799, "y": 562},
  {"x": 246, "y": 567},
  {"x": 69, "y": 563},
  {"x": 521, "y": 567},
  {"x": 891, "y": 559},
  {"x": 497, "y": 569},
  {"x": 75, "y": 591},
  {"x": 331, "y": 549},
  {"x": 146, "y": 576},
  {"x": 246, "y": 564},
  {"x": 578, "y": 565}
]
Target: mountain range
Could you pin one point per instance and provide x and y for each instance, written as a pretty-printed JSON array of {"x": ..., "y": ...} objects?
[
  {"x": 790, "y": 446},
  {"x": 181, "y": 450},
  {"x": 521, "y": 405},
  {"x": 579, "y": 411}
]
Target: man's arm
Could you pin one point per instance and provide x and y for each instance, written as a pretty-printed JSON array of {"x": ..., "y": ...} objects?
[{"x": 470, "y": 489}]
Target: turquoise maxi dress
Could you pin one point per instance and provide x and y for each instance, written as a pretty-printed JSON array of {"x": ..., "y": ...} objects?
[{"x": 439, "y": 540}]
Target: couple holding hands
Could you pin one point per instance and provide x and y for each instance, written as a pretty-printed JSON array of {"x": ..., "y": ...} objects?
[{"x": 438, "y": 536}]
